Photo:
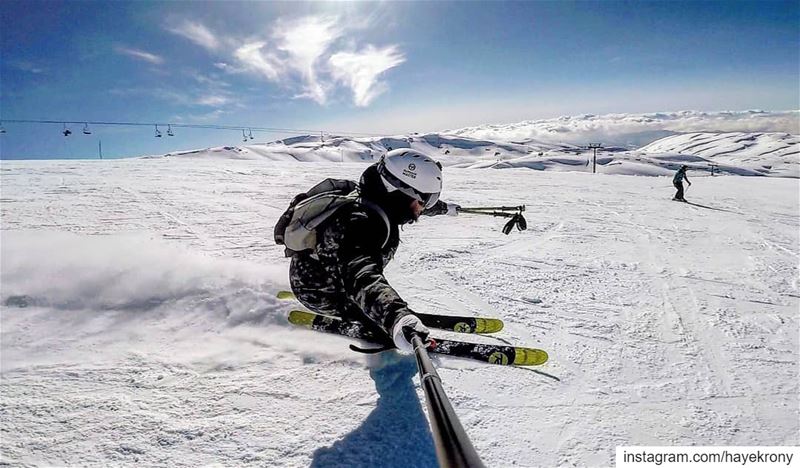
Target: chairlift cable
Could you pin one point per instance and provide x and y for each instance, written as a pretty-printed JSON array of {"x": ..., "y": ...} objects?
[{"x": 197, "y": 126}]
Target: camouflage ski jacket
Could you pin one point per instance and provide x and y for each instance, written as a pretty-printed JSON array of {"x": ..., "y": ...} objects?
[{"x": 344, "y": 276}]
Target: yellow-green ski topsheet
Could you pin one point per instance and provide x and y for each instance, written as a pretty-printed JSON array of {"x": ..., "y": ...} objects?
[
  {"x": 522, "y": 356},
  {"x": 488, "y": 325},
  {"x": 482, "y": 325},
  {"x": 530, "y": 357},
  {"x": 302, "y": 318}
]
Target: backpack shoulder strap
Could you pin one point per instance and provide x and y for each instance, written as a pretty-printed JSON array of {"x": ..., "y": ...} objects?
[{"x": 374, "y": 207}]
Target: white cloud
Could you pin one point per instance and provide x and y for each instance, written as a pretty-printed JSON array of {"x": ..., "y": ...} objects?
[
  {"x": 197, "y": 33},
  {"x": 213, "y": 100},
  {"x": 294, "y": 55},
  {"x": 212, "y": 116},
  {"x": 360, "y": 71},
  {"x": 183, "y": 97},
  {"x": 228, "y": 68},
  {"x": 140, "y": 55},
  {"x": 300, "y": 56},
  {"x": 251, "y": 57},
  {"x": 209, "y": 80},
  {"x": 26, "y": 66},
  {"x": 303, "y": 43},
  {"x": 635, "y": 129}
]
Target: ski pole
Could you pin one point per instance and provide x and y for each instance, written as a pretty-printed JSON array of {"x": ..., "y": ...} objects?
[
  {"x": 516, "y": 218},
  {"x": 453, "y": 447},
  {"x": 499, "y": 208},
  {"x": 503, "y": 214}
]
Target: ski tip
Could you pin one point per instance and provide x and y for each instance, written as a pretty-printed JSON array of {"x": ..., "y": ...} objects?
[
  {"x": 285, "y": 295},
  {"x": 529, "y": 357},
  {"x": 302, "y": 318},
  {"x": 487, "y": 325}
]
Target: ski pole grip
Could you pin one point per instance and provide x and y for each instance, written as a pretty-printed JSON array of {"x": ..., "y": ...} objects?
[{"x": 453, "y": 447}]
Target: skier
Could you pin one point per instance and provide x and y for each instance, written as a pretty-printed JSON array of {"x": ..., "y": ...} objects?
[
  {"x": 677, "y": 181},
  {"x": 343, "y": 275}
]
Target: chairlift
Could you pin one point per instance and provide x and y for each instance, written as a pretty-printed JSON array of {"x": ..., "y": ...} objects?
[
  {"x": 244, "y": 137},
  {"x": 67, "y": 132},
  {"x": 169, "y": 131},
  {"x": 2, "y": 129},
  {"x": 158, "y": 132},
  {"x": 86, "y": 130},
  {"x": 250, "y": 133}
]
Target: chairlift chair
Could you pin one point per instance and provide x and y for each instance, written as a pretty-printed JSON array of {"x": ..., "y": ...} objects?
[
  {"x": 250, "y": 133},
  {"x": 86, "y": 130},
  {"x": 169, "y": 131},
  {"x": 67, "y": 132},
  {"x": 158, "y": 132},
  {"x": 244, "y": 137}
]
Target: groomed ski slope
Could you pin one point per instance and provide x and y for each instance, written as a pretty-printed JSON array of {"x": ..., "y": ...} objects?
[{"x": 140, "y": 327}]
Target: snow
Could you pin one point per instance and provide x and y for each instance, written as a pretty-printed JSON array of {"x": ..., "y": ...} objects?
[{"x": 140, "y": 324}]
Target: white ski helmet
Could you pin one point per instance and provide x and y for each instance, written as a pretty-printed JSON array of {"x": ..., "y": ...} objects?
[{"x": 413, "y": 173}]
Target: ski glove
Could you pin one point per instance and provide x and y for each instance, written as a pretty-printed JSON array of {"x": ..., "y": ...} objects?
[
  {"x": 452, "y": 209},
  {"x": 403, "y": 329}
]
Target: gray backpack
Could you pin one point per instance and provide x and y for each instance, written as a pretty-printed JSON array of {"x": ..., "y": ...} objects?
[{"x": 297, "y": 227}]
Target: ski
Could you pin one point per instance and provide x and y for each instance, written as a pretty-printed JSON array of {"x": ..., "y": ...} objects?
[
  {"x": 285, "y": 295},
  {"x": 490, "y": 353},
  {"x": 458, "y": 324}
]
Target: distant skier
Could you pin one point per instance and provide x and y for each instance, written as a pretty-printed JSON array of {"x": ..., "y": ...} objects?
[
  {"x": 341, "y": 274},
  {"x": 677, "y": 181}
]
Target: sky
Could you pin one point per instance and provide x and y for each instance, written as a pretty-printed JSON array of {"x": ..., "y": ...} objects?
[{"x": 373, "y": 67}]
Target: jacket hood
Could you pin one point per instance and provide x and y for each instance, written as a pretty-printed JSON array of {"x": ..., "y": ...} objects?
[{"x": 396, "y": 204}]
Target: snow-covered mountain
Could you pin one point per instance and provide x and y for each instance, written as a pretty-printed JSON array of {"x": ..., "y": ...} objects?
[
  {"x": 450, "y": 149},
  {"x": 769, "y": 154},
  {"x": 778, "y": 153}
]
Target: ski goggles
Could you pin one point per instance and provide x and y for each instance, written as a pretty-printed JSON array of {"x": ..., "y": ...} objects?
[{"x": 393, "y": 183}]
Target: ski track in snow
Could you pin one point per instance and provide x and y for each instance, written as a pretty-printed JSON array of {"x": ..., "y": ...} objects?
[{"x": 140, "y": 324}]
